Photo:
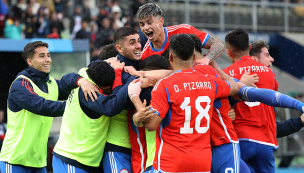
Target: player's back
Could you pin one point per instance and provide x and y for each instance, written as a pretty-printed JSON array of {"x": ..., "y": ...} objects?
[
  {"x": 222, "y": 130},
  {"x": 183, "y": 141},
  {"x": 255, "y": 121}
]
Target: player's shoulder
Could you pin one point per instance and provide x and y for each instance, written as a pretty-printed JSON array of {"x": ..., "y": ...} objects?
[
  {"x": 164, "y": 82},
  {"x": 232, "y": 66},
  {"x": 19, "y": 83},
  {"x": 235, "y": 65},
  {"x": 272, "y": 71},
  {"x": 176, "y": 28},
  {"x": 206, "y": 69}
]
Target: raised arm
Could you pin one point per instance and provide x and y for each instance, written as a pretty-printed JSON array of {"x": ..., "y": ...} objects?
[
  {"x": 270, "y": 98},
  {"x": 23, "y": 95},
  {"x": 226, "y": 77},
  {"x": 73, "y": 80},
  {"x": 216, "y": 48},
  {"x": 108, "y": 105},
  {"x": 155, "y": 74}
]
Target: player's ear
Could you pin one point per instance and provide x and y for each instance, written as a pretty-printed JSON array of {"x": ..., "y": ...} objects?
[
  {"x": 170, "y": 57},
  {"x": 229, "y": 53},
  {"x": 161, "y": 22},
  {"x": 29, "y": 62},
  {"x": 119, "y": 48},
  {"x": 255, "y": 58},
  {"x": 194, "y": 56},
  {"x": 250, "y": 47}
]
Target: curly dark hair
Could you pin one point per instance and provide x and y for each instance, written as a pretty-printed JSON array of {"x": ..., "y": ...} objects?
[
  {"x": 256, "y": 48},
  {"x": 166, "y": 53},
  {"x": 29, "y": 49},
  {"x": 198, "y": 43},
  {"x": 182, "y": 45},
  {"x": 238, "y": 39},
  {"x": 154, "y": 62},
  {"x": 107, "y": 51},
  {"x": 101, "y": 73}
]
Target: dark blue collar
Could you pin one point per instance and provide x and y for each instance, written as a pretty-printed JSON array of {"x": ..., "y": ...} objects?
[
  {"x": 37, "y": 75},
  {"x": 164, "y": 44},
  {"x": 128, "y": 61}
]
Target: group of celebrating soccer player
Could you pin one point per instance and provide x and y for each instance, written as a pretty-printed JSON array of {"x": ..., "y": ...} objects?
[{"x": 158, "y": 107}]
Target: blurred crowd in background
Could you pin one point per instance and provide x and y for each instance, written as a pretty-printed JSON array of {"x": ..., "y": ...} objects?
[
  {"x": 67, "y": 19},
  {"x": 96, "y": 20}
]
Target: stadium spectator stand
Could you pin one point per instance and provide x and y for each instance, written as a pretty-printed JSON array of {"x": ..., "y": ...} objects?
[{"x": 59, "y": 14}]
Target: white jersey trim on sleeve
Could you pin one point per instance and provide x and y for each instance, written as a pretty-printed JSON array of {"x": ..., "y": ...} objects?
[
  {"x": 176, "y": 27},
  {"x": 259, "y": 142},
  {"x": 161, "y": 145},
  {"x": 141, "y": 151},
  {"x": 225, "y": 128},
  {"x": 205, "y": 40}
]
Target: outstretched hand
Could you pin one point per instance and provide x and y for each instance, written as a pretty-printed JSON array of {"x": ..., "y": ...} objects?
[
  {"x": 144, "y": 114},
  {"x": 231, "y": 114},
  {"x": 249, "y": 80},
  {"x": 204, "y": 60},
  {"x": 88, "y": 88},
  {"x": 110, "y": 60},
  {"x": 132, "y": 71},
  {"x": 116, "y": 64}
]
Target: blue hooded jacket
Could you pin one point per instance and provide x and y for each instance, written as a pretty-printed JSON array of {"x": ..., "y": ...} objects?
[{"x": 22, "y": 95}]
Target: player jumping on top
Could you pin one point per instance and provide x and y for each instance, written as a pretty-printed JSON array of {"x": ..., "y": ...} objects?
[{"x": 151, "y": 24}]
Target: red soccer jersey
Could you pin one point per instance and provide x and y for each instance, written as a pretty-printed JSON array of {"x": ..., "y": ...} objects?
[
  {"x": 138, "y": 146},
  {"x": 221, "y": 128},
  {"x": 148, "y": 50},
  {"x": 184, "y": 101},
  {"x": 255, "y": 121}
]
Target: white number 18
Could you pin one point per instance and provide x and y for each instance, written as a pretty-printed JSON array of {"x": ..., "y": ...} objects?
[{"x": 202, "y": 113}]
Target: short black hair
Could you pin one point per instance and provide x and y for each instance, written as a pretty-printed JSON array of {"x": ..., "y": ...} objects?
[
  {"x": 198, "y": 43},
  {"x": 123, "y": 32},
  {"x": 29, "y": 49},
  {"x": 238, "y": 39},
  {"x": 182, "y": 45},
  {"x": 107, "y": 51},
  {"x": 256, "y": 48},
  {"x": 101, "y": 73},
  {"x": 154, "y": 62},
  {"x": 166, "y": 53}
]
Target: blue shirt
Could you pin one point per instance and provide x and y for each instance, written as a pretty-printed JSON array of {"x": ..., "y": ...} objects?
[
  {"x": 289, "y": 127},
  {"x": 127, "y": 78},
  {"x": 22, "y": 96}
]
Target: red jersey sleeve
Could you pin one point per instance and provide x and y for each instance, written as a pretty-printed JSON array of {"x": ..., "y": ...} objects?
[
  {"x": 117, "y": 80},
  {"x": 159, "y": 99},
  {"x": 223, "y": 88},
  {"x": 188, "y": 29},
  {"x": 200, "y": 34}
]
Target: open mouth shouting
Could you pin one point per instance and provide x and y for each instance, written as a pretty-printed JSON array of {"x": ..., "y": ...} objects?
[{"x": 149, "y": 35}]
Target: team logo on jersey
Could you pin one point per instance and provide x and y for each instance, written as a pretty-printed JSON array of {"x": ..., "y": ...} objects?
[{"x": 124, "y": 171}]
